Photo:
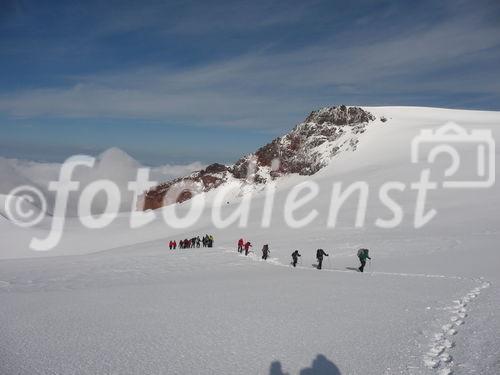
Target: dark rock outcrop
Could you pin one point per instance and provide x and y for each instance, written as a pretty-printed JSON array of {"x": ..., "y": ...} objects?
[{"x": 341, "y": 115}]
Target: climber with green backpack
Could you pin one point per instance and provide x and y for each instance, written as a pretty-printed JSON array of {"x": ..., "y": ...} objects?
[{"x": 363, "y": 256}]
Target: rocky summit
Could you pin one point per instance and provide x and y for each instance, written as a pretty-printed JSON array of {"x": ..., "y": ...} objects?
[{"x": 305, "y": 150}]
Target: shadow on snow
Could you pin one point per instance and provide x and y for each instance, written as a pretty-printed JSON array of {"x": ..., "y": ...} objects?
[{"x": 320, "y": 366}]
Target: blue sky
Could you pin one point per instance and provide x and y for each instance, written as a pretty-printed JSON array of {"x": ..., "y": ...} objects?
[{"x": 179, "y": 81}]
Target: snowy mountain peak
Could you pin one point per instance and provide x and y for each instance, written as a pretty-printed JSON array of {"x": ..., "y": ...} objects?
[
  {"x": 116, "y": 156},
  {"x": 311, "y": 144},
  {"x": 341, "y": 115},
  {"x": 309, "y": 147}
]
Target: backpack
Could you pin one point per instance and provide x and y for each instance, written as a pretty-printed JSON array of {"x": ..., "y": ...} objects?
[{"x": 362, "y": 253}]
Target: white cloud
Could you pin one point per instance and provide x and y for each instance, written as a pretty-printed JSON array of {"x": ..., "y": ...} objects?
[{"x": 113, "y": 164}]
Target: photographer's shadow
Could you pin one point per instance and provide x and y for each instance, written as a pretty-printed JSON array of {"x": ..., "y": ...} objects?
[
  {"x": 320, "y": 366},
  {"x": 276, "y": 369}
]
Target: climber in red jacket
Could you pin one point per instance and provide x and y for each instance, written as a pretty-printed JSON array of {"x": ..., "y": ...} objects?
[{"x": 248, "y": 245}]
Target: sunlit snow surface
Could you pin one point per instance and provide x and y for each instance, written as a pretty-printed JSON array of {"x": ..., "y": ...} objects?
[{"x": 117, "y": 301}]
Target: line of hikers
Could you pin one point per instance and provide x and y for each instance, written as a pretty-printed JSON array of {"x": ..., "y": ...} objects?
[
  {"x": 363, "y": 254},
  {"x": 206, "y": 241}
]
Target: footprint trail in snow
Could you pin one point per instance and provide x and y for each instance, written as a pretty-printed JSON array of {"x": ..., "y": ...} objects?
[{"x": 438, "y": 356}]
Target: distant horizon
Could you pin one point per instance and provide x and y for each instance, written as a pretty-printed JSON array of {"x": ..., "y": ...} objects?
[{"x": 12, "y": 153}]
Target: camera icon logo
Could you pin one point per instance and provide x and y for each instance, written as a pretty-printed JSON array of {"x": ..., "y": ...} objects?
[{"x": 480, "y": 147}]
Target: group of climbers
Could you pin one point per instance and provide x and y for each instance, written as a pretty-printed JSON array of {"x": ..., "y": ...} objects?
[
  {"x": 207, "y": 241},
  {"x": 363, "y": 255},
  {"x": 189, "y": 243},
  {"x": 244, "y": 246}
]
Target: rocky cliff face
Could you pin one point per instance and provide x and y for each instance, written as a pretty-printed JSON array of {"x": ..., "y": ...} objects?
[{"x": 305, "y": 150}]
